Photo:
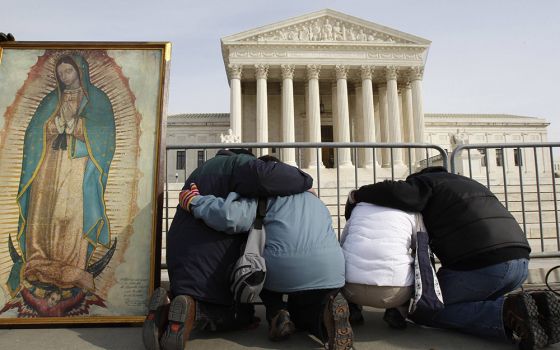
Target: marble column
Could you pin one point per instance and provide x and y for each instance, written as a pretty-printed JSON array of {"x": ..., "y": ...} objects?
[
  {"x": 357, "y": 125},
  {"x": 416, "y": 74},
  {"x": 408, "y": 122},
  {"x": 393, "y": 113},
  {"x": 288, "y": 128},
  {"x": 334, "y": 113},
  {"x": 235, "y": 125},
  {"x": 262, "y": 105},
  {"x": 384, "y": 124},
  {"x": 343, "y": 115},
  {"x": 314, "y": 113},
  {"x": 377, "y": 115},
  {"x": 368, "y": 114}
]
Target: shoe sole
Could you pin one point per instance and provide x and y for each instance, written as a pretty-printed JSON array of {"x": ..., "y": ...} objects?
[
  {"x": 172, "y": 338},
  {"x": 150, "y": 330},
  {"x": 284, "y": 333},
  {"x": 551, "y": 314},
  {"x": 343, "y": 334},
  {"x": 536, "y": 331}
]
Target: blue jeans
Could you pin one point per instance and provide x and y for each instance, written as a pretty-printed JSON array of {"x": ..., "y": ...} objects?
[{"x": 474, "y": 299}]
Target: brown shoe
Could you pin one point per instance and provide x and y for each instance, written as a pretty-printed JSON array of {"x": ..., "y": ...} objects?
[
  {"x": 521, "y": 316},
  {"x": 156, "y": 320},
  {"x": 182, "y": 313},
  {"x": 549, "y": 310},
  {"x": 337, "y": 323},
  {"x": 281, "y": 326}
]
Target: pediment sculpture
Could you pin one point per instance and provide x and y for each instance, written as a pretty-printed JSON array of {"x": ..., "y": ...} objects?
[
  {"x": 230, "y": 137},
  {"x": 326, "y": 29}
]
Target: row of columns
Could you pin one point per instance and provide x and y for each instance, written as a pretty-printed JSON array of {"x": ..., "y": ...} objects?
[{"x": 390, "y": 106}]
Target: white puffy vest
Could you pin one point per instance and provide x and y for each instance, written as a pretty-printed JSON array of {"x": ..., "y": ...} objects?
[{"x": 376, "y": 242}]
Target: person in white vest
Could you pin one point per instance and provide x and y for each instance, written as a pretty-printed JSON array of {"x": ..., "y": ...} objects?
[{"x": 377, "y": 245}]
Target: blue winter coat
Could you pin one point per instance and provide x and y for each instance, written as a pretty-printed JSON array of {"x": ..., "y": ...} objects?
[
  {"x": 301, "y": 248},
  {"x": 199, "y": 258}
]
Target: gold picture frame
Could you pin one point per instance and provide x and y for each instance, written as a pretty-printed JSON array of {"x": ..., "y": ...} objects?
[{"x": 82, "y": 127}]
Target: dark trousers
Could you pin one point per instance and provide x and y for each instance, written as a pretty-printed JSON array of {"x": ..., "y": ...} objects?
[
  {"x": 214, "y": 317},
  {"x": 305, "y": 308}
]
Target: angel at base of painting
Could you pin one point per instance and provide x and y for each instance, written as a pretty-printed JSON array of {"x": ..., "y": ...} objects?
[{"x": 68, "y": 147}]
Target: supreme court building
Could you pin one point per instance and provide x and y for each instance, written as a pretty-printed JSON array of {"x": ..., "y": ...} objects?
[{"x": 330, "y": 77}]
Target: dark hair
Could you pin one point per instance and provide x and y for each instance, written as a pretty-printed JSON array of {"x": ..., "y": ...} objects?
[
  {"x": 240, "y": 151},
  {"x": 68, "y": 60},
  {"x": 269, "y": 158},
  {"x": 430, "y": 169}
]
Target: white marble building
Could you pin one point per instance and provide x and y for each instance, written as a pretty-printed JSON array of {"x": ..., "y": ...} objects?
[{"x": 327, "y": 76}]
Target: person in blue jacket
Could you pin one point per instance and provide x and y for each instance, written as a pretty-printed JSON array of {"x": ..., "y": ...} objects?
[
  {"x": 199, "y": 258},
  {"x": 303, "y": 259}
]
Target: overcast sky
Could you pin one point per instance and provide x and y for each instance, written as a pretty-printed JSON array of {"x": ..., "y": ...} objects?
[{"x": 486, "y": 56}]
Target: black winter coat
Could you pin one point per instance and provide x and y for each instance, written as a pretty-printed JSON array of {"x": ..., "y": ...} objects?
[
  {"x": 199, "y": 259},
  {"x": 468, "y": 226}
]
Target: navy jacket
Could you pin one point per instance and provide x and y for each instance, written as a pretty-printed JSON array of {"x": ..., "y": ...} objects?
[
  {"x": 199, "y": 258},
  {"x": 468, "y": 226}
]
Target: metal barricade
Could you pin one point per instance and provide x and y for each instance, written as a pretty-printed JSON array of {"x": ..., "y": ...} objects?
[
  {"x": 522, "y": 176},
  {"x": 332, "y": 183}
]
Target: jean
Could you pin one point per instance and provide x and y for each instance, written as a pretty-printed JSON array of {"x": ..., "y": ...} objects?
[{"x": 474, "y": 299}]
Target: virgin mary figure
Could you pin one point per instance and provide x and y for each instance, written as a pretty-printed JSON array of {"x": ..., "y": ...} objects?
[{"x": 68, "y": 148}]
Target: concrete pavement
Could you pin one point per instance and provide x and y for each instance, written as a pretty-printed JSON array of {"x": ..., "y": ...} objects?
[{"x": 374, "y": 334}]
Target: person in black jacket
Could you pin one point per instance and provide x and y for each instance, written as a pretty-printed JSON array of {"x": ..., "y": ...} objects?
[
  {"x": 199, "y": 259},
  {"x": 483, "y": 252}
]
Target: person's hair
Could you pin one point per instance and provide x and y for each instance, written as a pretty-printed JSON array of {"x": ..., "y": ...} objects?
[
  {"x": 240, "y": 151},
  {"x": 269, "y": 158},
  {"x": 430, "y": 169},
  {"x": 68, "y": 60}
]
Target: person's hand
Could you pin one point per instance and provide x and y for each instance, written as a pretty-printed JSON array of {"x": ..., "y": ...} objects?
[
  {"x": 186, "y": 197},
  {"x": 6, "y": 37}
]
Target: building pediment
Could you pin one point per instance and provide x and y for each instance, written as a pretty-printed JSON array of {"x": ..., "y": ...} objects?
[{"x": 325, "y": 26}]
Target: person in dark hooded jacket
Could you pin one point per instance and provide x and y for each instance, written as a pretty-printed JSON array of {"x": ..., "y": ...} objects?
[
  {"x": 483, "y": 252},
  {"x": 199, "y": 259}
]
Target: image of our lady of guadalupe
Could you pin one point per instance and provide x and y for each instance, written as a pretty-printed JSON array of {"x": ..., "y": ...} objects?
[{"x": 68, "y": 148}]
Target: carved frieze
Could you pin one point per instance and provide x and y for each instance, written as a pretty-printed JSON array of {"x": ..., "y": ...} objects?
[
  {"x": 327, "y": 29},
  {"x": 311, "y": 51}
]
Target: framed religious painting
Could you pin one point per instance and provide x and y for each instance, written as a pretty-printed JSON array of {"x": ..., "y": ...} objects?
[{"x": 81, "y": 144}]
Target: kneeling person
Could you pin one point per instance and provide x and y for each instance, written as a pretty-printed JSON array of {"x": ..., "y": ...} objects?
[{"x": 304, "y": 260}]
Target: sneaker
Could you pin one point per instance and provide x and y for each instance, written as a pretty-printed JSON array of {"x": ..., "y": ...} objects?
[
  {"x": 549, "y": 310},
  {"x": 281, "y": 327},
  {"x": 394, "y": 319},
  {"x": 156, "y": 320},
  {"x": 337, "y": 323},
  {"x": 182, "y": 312},
  {"x": 521, "y": 316}
]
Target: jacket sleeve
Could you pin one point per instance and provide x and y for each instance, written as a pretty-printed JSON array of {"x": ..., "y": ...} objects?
[
  {"x": 233, "y": 214},
  {"x": 257, "y": 178},
  {"x": 411, "y": 195}
]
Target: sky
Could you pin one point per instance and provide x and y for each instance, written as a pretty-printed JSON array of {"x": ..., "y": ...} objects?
[{"x": 486, "y": 56}]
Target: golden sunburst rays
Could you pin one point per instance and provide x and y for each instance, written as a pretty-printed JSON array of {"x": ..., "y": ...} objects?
[{"x": 120, "y": 193}]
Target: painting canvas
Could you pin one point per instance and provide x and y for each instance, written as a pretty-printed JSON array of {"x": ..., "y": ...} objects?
[{"x": 80, "y": 191}]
